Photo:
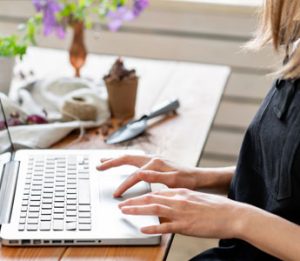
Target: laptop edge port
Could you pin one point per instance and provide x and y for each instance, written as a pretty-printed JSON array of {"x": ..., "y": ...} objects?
[{"x": 14, "y": 242}]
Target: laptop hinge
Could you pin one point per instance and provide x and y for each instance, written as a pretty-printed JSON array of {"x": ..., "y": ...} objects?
[{"x": 7, "y": 190}]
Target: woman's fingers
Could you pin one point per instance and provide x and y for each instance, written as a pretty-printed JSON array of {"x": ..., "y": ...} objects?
[
  {"x": 163, "y": 228},
  {"x": 171, "y": 192},
  {"x": 147, "y": 199},
  {"x": 151, "y": 210},
  {"x": 128, "y": 183},
  {"x": 134, "y": 160},
  {"x": 142, "y": 175}
]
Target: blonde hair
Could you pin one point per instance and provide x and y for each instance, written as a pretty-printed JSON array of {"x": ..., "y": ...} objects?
[{"x": 280, "y": 25}]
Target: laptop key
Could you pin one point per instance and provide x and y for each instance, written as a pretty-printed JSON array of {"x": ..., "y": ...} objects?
[
  {"x": 59, "y": 204},
  {"x": 71, "y": 226},
  {"x": 22, "y": 220},
  {"x": 84, "y": 227},
  {"x": 33, "y": 214},
  {"x": 84, "y": 214},
  {"x": 25, "y": 197},
  {"x": 58, "y": 216},
  {"x": 71, "y": 219},
  {"x": 46, "y": 206},
  {"x": 21, "y": 227},
  {"x": 35, "y": 198},
  {"x": 58, "y": 210},
  {"x": 34, "y": 203},
  {"x": 84, "y": 208},
  {"x": 47, "y": 195},
  {"x": 34, "y": 209},
  {"x": 35, "y": 193},
  {"x": 47, "y": 200},
  {"x": 45, "y": 226},
  {"x": 24, "y": 202},
  {"x": 32, "y": 221},
  {"x": 32, "y": 227},
  {"x": 71, "y": 186},
  {"x": 71, "y": 196},
  {"x": 71, "y": 202},
  {"x": 49, "y": 185},
  {"x": 46, "y": 217},
  {"x": 59, "y": 199},
  {"x": 58, "y": 224},
  {"x": 71, "y": 207},
  {"x": 23, "y": 214},
  {"x": 84, "y": 221},
  {"x": 83, "y": 192},
  {"x": 72, "y": 191},
  {"x": 71, "y": 213}
]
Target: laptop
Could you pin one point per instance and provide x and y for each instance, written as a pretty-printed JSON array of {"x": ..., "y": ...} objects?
[{"x": 57, "y": 197}]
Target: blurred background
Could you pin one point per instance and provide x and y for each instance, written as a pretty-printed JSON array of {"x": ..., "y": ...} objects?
[{"x": 200, "y": 31}]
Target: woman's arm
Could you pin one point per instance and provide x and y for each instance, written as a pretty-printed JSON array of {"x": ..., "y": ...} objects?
[
  {"x": 214, "y": 178},
  {"x": 270, "y": 233}
]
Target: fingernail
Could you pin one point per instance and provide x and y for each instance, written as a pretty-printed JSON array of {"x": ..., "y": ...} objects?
[
  {"x": 116, "y": 195},
  {"x": 125, "y": 209},
  {"x": 145, "y": 230}
]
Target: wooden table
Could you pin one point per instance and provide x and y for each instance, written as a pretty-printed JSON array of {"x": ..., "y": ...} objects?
[{"x": 179, "y": 137}]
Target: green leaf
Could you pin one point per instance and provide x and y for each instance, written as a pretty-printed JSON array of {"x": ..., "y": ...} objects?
[{"x": 10, "y": 47}]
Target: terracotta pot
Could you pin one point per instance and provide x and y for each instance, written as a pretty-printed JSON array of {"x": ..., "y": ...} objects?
[
  {"x": 6, "y": 73},
  {"x": 78, "y": 50},
  {"x": 122, "y": 97}
]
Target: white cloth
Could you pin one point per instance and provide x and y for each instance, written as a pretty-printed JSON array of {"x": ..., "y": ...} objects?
[{"x": 49, "y": 96}]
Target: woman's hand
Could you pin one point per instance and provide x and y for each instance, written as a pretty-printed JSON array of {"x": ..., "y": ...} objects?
[
  {"x": 188, "y": 212},
  {"x": 152, "y": 170}
]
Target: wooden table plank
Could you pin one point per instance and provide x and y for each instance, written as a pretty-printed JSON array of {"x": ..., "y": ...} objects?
[
  {"x": 31, "y": 253},
  {"x": 139, "y": 253}
]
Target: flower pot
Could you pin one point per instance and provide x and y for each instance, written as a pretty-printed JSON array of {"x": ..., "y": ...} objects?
[
  {"x": 6, "y": 73},
  {"x": 122, "y": 97}
]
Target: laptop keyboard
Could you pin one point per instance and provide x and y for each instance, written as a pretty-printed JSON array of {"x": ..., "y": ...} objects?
[{"x": 56, "y": 194}]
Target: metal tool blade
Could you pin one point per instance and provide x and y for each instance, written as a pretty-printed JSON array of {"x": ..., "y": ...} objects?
[
  {"x": 128, "y": 132},
  {"x": 137, "y": 127}
]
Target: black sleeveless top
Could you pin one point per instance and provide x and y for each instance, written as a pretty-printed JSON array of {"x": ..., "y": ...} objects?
[{"x": 268, "y": 169}]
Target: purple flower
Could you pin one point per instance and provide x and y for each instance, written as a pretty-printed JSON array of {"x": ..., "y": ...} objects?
[
  {"x": 39, "y": 4},
  {"x": 139, "y": 6},
  {"x": 117, "y": 17},
  {"x": 50, "y": 8}
]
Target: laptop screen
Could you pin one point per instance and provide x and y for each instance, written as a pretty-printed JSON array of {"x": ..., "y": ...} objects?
[{"x": 6, "y": 144}]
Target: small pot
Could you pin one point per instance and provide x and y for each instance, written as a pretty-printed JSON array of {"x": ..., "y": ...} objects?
[
  {"x": 6, "y": 73},
  {"x": 122, "y": 97}
]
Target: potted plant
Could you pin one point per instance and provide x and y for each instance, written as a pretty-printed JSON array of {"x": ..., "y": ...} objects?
[
  {"x": 10, "y": 47},
  {"x": 121, "y": 85}
]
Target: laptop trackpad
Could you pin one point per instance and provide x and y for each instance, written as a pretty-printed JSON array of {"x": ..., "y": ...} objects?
[{"x": 108, "y": 183}]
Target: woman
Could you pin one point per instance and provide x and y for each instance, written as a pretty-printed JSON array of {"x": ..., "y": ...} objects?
[{"x": 260, "y": 219}]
